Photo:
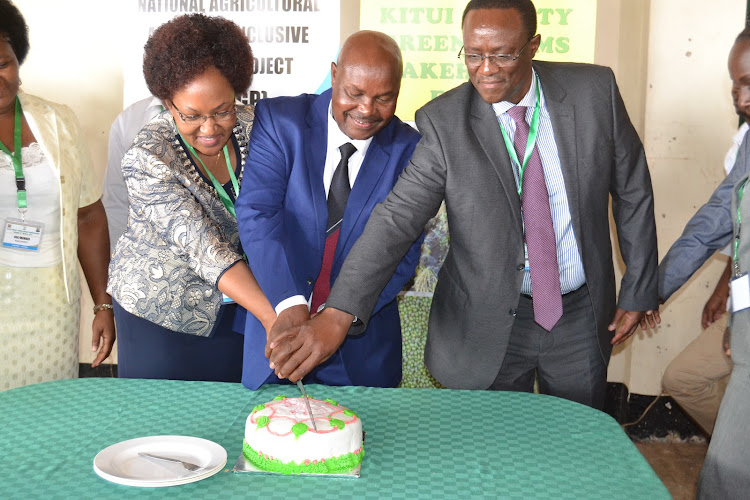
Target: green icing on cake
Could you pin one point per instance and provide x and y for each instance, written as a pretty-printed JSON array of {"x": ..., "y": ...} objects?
[
  {"x": 336, "y": 423},
  {"x": 335, "y": 465},
  {"x": 298, "y": 429},
  {"x": 263, "y": 421},
  {"x": 258, "y": 408},
  {"x": 279, "y": 398},
  {"x": 332, "y": 401},
  {"x": 350, "y": 413}
]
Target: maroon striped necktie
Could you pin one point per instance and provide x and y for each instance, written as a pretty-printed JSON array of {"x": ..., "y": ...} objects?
[{"x": 539, "y": 231}]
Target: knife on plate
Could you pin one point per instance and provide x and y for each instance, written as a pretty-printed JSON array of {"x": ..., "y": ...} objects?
[
  {"x": 307, "y": 402},
  {"x": 188, "y": 465}
]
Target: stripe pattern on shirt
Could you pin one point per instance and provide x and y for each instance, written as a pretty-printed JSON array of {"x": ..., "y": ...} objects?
[{"x": 569, "y": 260}]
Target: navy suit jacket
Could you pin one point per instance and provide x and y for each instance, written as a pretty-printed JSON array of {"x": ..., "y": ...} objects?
[{"x": 282, "y": 214}]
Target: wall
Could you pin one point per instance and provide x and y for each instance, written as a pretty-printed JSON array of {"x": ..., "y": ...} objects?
[
  {"x": 671, "y": 69},
  {"x": 689, "y": 123}
]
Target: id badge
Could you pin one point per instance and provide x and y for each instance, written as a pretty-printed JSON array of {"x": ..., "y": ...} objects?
[
  {"x": 22, "y": 235},
  {"x": 740, "y": 292},
  {"x": 225, "y": 299}
]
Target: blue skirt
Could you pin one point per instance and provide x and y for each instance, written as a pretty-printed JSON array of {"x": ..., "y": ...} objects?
[{"x": 147, "y": 350}]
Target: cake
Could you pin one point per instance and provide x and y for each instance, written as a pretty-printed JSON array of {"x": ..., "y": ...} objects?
[{"x": 279, "y": 437}]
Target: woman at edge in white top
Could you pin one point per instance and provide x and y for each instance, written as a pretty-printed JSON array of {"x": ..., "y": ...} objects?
[{"x": 39, "y": 284}]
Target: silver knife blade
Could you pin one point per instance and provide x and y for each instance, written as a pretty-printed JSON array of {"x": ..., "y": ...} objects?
[
  {"x": 307, "y": 402},
  {"x": 188, "y": 465}
]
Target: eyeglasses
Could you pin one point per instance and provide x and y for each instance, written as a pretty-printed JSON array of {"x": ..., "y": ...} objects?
[
  {"x": 221, "y": 116},
  {"x": 498, "y": 60}
]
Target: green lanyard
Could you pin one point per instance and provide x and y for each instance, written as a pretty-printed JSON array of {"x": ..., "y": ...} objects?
[
  {"x": 16, "y": 156},
  {"x": 735, "y": 261},
  {"x": 225, "y": 199},
  {"x": 533, "y": 129}
]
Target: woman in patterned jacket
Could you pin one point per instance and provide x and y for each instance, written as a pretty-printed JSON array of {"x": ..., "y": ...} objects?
[{"x": 178, "y": 265}]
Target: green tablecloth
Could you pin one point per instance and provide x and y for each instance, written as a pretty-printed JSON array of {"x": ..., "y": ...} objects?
[{"x": 421, "y": 443}]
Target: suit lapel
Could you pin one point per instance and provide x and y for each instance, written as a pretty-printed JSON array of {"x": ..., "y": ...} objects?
[
  {"x": 563, "y": 120},
  {"x": 316, "y": 137},
  {"x": 369, "y": 175},
  {"x": 485, "y": 125}
]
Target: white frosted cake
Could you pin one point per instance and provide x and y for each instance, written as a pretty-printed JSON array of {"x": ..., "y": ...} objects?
[{"x": 279, "y": 437}]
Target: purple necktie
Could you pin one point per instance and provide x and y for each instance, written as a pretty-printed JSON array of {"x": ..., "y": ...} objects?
[{"x": 540, "y": 234}]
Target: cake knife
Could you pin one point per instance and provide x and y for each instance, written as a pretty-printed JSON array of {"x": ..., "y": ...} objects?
[{"x": 307, "y": 402}]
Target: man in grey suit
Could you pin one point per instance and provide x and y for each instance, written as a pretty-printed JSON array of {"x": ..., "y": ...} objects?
[
  {"x": 725, "y": 472},
  {"x": 527, "y": 289}
]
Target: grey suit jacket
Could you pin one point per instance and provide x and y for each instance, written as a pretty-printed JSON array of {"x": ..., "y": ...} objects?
[
  {"x": 707, "y": 231},
  {"x": 462, "y": 159}
]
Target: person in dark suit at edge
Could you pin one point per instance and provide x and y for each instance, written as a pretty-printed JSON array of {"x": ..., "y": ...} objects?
[
  {"x": 317, "y": 167},
  {"x": 528, "y": 287}
]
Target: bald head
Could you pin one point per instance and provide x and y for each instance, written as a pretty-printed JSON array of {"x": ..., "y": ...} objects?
[
  {"x": 371, "y": 48},
  {"x": 366, "y": 80}
]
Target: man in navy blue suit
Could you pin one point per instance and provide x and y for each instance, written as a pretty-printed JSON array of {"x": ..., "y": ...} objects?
[{"x": 317, "y": 166}]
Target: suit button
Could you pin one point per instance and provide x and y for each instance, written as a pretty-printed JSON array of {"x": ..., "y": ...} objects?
[
  {"x": 512, "y": 312},
  {"x": 520, "y": 267},
  {"x": 309, "y": 281}
]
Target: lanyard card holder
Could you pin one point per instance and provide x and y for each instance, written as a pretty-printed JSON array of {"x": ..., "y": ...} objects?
[
  {"x": 22, "y": 234},
  {"x": 740, "y": 292}
]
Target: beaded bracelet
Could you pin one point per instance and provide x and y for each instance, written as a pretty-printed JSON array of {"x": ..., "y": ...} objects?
[{"x": 102, "y": 306}]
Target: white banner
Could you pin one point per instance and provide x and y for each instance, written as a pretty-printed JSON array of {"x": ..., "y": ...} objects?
[{"x": 293, "y": 41}]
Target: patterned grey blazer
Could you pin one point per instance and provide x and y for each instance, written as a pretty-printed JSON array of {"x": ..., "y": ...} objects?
[{"x": 180, "y": 238}]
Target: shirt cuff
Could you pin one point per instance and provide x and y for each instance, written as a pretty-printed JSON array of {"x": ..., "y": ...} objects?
[{"x": 295, "y": 300}]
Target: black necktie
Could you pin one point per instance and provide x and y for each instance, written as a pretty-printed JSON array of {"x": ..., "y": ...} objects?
[
  {"x": 338, "y": 194},
  {"x": 339, "y": 191}
]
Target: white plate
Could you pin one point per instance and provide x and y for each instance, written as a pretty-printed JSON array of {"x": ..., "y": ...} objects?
[{"x": 120, "y": 463}]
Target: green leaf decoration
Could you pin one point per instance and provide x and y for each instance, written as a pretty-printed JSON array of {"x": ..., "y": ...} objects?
[
  {"x": 259, "y": 407},
  {"x": 350, "y": 413},
  {"x": 298, "y": 429},
  {"x": 336, "y": 423},
  {"x": 332, "y": 401},
  {"x": 279, "y": 398},
  {"x": 262, "y": 422}
]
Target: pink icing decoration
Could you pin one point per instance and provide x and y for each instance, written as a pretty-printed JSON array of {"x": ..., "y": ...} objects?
[
  {"x": 294, "y": 405},
  {"x": 307, "y": 462}
]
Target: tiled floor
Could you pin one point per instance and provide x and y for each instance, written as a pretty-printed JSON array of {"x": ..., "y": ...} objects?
[{"x": 677, "y": 464}]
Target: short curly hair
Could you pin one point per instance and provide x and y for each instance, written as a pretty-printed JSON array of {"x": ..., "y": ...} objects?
[
  {"x": 13, "y": 28},
  {"x": 188, "y": 45}
]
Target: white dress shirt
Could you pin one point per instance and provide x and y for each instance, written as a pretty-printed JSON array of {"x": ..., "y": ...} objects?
[
  {"x": 569, "y": 260},
  {"x": 124, "y": 129},
  {"x": 43, "y": 197},
  {"x": 336, "y": 138}
]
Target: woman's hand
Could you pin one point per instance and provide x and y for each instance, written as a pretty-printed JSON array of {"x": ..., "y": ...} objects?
[
  {"x": 103, "y": 335},
  {"x": 239, "y": 284},
  {"x": 93, "y": 254}
]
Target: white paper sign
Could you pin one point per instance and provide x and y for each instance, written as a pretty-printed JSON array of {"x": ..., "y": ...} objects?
[{"x": 293, "y": 41}]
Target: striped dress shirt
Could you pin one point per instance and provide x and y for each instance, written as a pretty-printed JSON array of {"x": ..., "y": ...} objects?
[{"x": 569, "y": 260}]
